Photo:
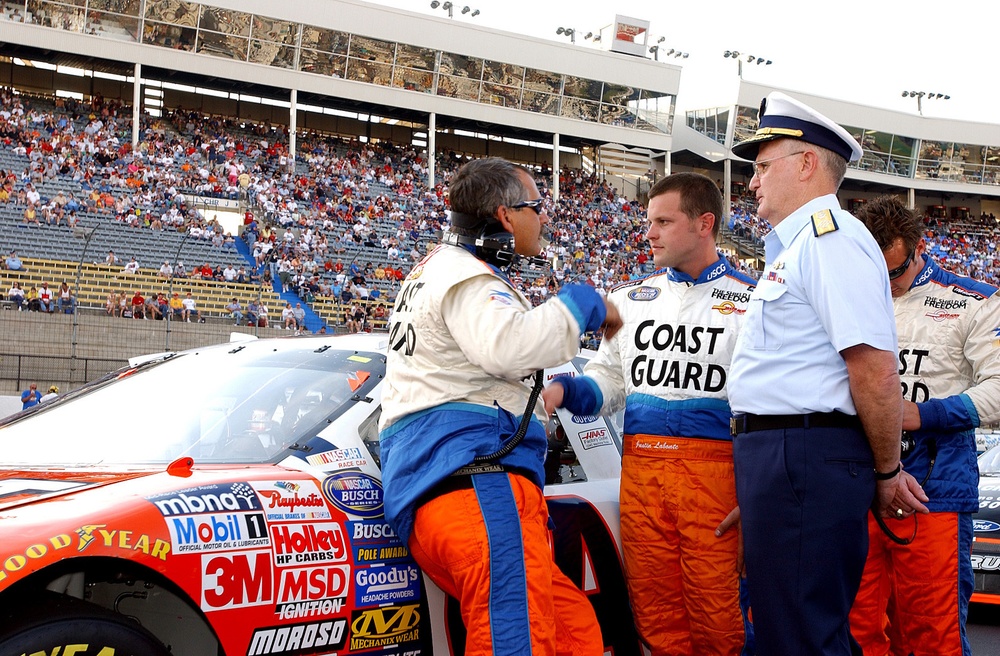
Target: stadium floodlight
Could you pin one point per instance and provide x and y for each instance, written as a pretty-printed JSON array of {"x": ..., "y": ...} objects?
[
  {"x": 475, "y": 12},
  {"x": 920, "y": 95},
  {"x": 435, "y": 4},
  {"x": 738, "y": 56},
  {"x": 567, "y": 31}
]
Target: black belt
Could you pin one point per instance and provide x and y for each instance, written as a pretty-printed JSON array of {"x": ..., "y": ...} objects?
[
  {"x": 750, "y": 423},
  {"x": 462, "y": 480}
]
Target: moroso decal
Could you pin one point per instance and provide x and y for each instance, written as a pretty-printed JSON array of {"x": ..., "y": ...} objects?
[
  {"x": 386, "y": 584},
  {"x": 284, "y": 501},
  {"x": 375, "y": 542},
  {"x": 355, "y": 493},
  {"x": 382, "y": 627},
  {"x": 296, "y": 639},
  {"x": 229, "y": 497},
  {"x": 236, "y": 580},
  {"x": 217, "y": 532}
]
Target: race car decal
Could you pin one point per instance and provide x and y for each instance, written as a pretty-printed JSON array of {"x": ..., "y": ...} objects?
[
  {"x": 594, "y": 438},
  {"x": 236, "y": 580},
  {"x": 381, "y": 627},
  {"x": 206, "y": 498},
  {"x": 378, "y": 585},
  {"x": 217, "y": 532},
  {"x": 338, "y": 458},
  {"x": 295, "y": 639},
  {"x": 284, "y": 502},
  {"x": 374, "y": 542}
]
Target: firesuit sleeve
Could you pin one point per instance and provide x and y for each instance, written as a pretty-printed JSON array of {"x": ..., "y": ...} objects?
[
  {"x": 980, "y": 404},
  {"x": 496, "y": 332},
  {"x": 602, "y": 389}
]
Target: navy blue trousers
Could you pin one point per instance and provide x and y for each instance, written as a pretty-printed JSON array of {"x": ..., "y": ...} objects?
[{"x": 804, "y": 496}]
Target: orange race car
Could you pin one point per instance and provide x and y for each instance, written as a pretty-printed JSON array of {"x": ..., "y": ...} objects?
[{"x": 227, "y": 500}]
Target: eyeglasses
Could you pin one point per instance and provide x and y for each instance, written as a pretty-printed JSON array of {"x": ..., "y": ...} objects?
[
  {"x": 901, "y": 269},
  {"x": 760, "y": 167},
  {"x": 538, "y": 206}
]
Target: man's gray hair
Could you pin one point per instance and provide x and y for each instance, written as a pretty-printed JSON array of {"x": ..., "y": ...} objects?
[
  {"x": 483, "y": 185},
  {"x": 834, "y": 164}
]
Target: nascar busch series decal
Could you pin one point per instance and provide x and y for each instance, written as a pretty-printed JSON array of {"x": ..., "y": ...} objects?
[
  {"x": 295, "y": 639},
  {"x": 291, "y": 500},
  {"x": 355, "y": 493},
  {"x": 382, "y": 627},
  {"x": 226, "y": 497},
  {"x": 217, "y": 532},
  {"x": 338, "y": 458},
  {"x": 386, "y": 584},
  {"x": 375, "y": 542}
]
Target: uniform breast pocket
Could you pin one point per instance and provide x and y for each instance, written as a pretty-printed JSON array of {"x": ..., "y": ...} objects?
[{"x": 768, "y": 313}]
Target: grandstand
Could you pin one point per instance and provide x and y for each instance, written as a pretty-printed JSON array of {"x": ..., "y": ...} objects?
[{"x": 333, "y": 127}]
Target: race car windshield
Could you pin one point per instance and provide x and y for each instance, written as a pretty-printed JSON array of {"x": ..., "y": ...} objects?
[
  {"x": 217, "y": 406},
  {"x": 989, "y": 462}
]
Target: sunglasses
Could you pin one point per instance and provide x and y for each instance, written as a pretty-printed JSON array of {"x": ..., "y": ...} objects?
[
  {"x": 538, "y": 205},
  {"x": 901, "y": 269}
]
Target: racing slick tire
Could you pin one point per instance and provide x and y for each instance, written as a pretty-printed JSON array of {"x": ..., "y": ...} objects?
[{"x": 57, "y": 624}]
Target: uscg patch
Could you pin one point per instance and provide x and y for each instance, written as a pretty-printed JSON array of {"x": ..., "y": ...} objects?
[
  {"x": 823, "y": 222},
  {"x": 644, "y": 293}
]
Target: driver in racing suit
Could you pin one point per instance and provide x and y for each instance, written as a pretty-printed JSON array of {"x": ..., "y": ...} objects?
[
  {"x": 914, "y": 598},
  {"x": 668, "y": 367},
  {"x": 463, "y": 345}
]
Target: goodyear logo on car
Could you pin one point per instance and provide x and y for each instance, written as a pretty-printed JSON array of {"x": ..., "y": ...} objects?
[
  {"x": 644, "y": 293},
  {"x": 355, "y": 493}
]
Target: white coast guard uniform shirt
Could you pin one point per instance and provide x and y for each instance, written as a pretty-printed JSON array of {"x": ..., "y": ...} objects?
[{"x": 825, "y": 288}]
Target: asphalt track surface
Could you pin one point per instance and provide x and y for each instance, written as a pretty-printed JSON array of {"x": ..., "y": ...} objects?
[{"x": 983, "y": 629}]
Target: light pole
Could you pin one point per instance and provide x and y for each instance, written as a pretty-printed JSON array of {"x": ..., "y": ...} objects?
[
  {"x": 567, "y": 31},
  {"x": 751, "y": 59},
  {"x": 919, "y": 95},
  {"x": 656, "y": 47},
  {"x": 450, "y": 8}
]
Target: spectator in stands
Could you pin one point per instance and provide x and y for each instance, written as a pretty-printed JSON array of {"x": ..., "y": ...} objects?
[
  {"x": 131, "y": 267},
  {"x": 287, "y": 317},
  {"x": 252, "y": 311},
  {"x": 262, "y": 315},
  {"x": 111, "y": 304},
  {"x": 235, "y": 311},
  {"x": 299, "y": 314},
  {"x": 138, "y": 305},
  {"x": 16, "y": 295},
  {"x": 191, "y": 309},
  {"x": 13, "y": 262},
  {"x": 31, "y": 299},
  {"x": 111, "y": 259},
  {"x": 52, "y": 394},
  {"x": 229, "y": 273},
  {"x": 176, "y": 306},
  {"x": 166, "y": 271},
  {"x": 66, "y": 302},
  {"x": 31, "y": 215},
  {"x": 179, "y": 270},
  {"x": 30, "y": 397},
  {"x": 45, "y": 299},
  {"x": 151, "y": 309}
]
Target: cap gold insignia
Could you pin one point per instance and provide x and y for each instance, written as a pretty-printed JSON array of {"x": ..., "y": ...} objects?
[
  {"x": 781, "y": 132},
  {"x": 823, "y": 222}
]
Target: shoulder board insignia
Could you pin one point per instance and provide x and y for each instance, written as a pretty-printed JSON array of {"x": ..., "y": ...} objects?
[{"x": 823, "y": 222}]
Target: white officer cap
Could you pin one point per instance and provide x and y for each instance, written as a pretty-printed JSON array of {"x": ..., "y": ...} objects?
[{"x": 784, "y": 117}]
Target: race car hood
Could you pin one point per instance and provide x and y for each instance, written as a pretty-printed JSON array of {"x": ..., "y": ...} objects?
[
  {"x": 21, "y": 487},
  {"x": 986, "y": 520}
]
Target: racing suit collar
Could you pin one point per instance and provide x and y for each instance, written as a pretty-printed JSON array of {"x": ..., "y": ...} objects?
[
  {"x": 716, "y": 269},
  {"x": 925, "y": 274},
  {"x": 472, "y": 251}
]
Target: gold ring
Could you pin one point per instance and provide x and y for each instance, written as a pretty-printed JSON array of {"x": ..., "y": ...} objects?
[{"x": 899, "y": 512}]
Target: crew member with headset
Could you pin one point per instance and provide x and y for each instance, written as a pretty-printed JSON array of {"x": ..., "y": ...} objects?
[
  {"x": 914, "y": 596},
  {"x": 462, "y": 442}
]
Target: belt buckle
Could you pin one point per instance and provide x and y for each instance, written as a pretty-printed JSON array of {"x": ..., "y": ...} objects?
[{"x": 734, "y": 426}]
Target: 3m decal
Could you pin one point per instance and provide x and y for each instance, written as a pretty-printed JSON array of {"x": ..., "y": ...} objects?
[{"x": 236, "y": 580}]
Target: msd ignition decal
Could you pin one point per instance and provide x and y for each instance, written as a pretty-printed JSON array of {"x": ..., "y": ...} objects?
[
  {"x": 313, "y": 574},
  {"x": 218, "y": 498},
  {"x": 355, "y": 493},
  {"x": 236, "y": 580},
  {"x": 375, "y": 542},
  {"x": 217, "y": 532},
  {"x": 295, "y": 639},
  {"x": 285, "y": 501},
  {"x": 338, "y": 458},
  {"x": 383, "y": 627},
  {"x": 386, "y": 584}
]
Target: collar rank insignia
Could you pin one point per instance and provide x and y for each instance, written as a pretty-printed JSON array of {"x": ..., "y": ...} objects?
[{"x": 823, "y": 222}]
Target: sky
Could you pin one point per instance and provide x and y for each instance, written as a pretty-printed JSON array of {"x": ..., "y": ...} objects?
[{"x": 860, "y": 51}]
